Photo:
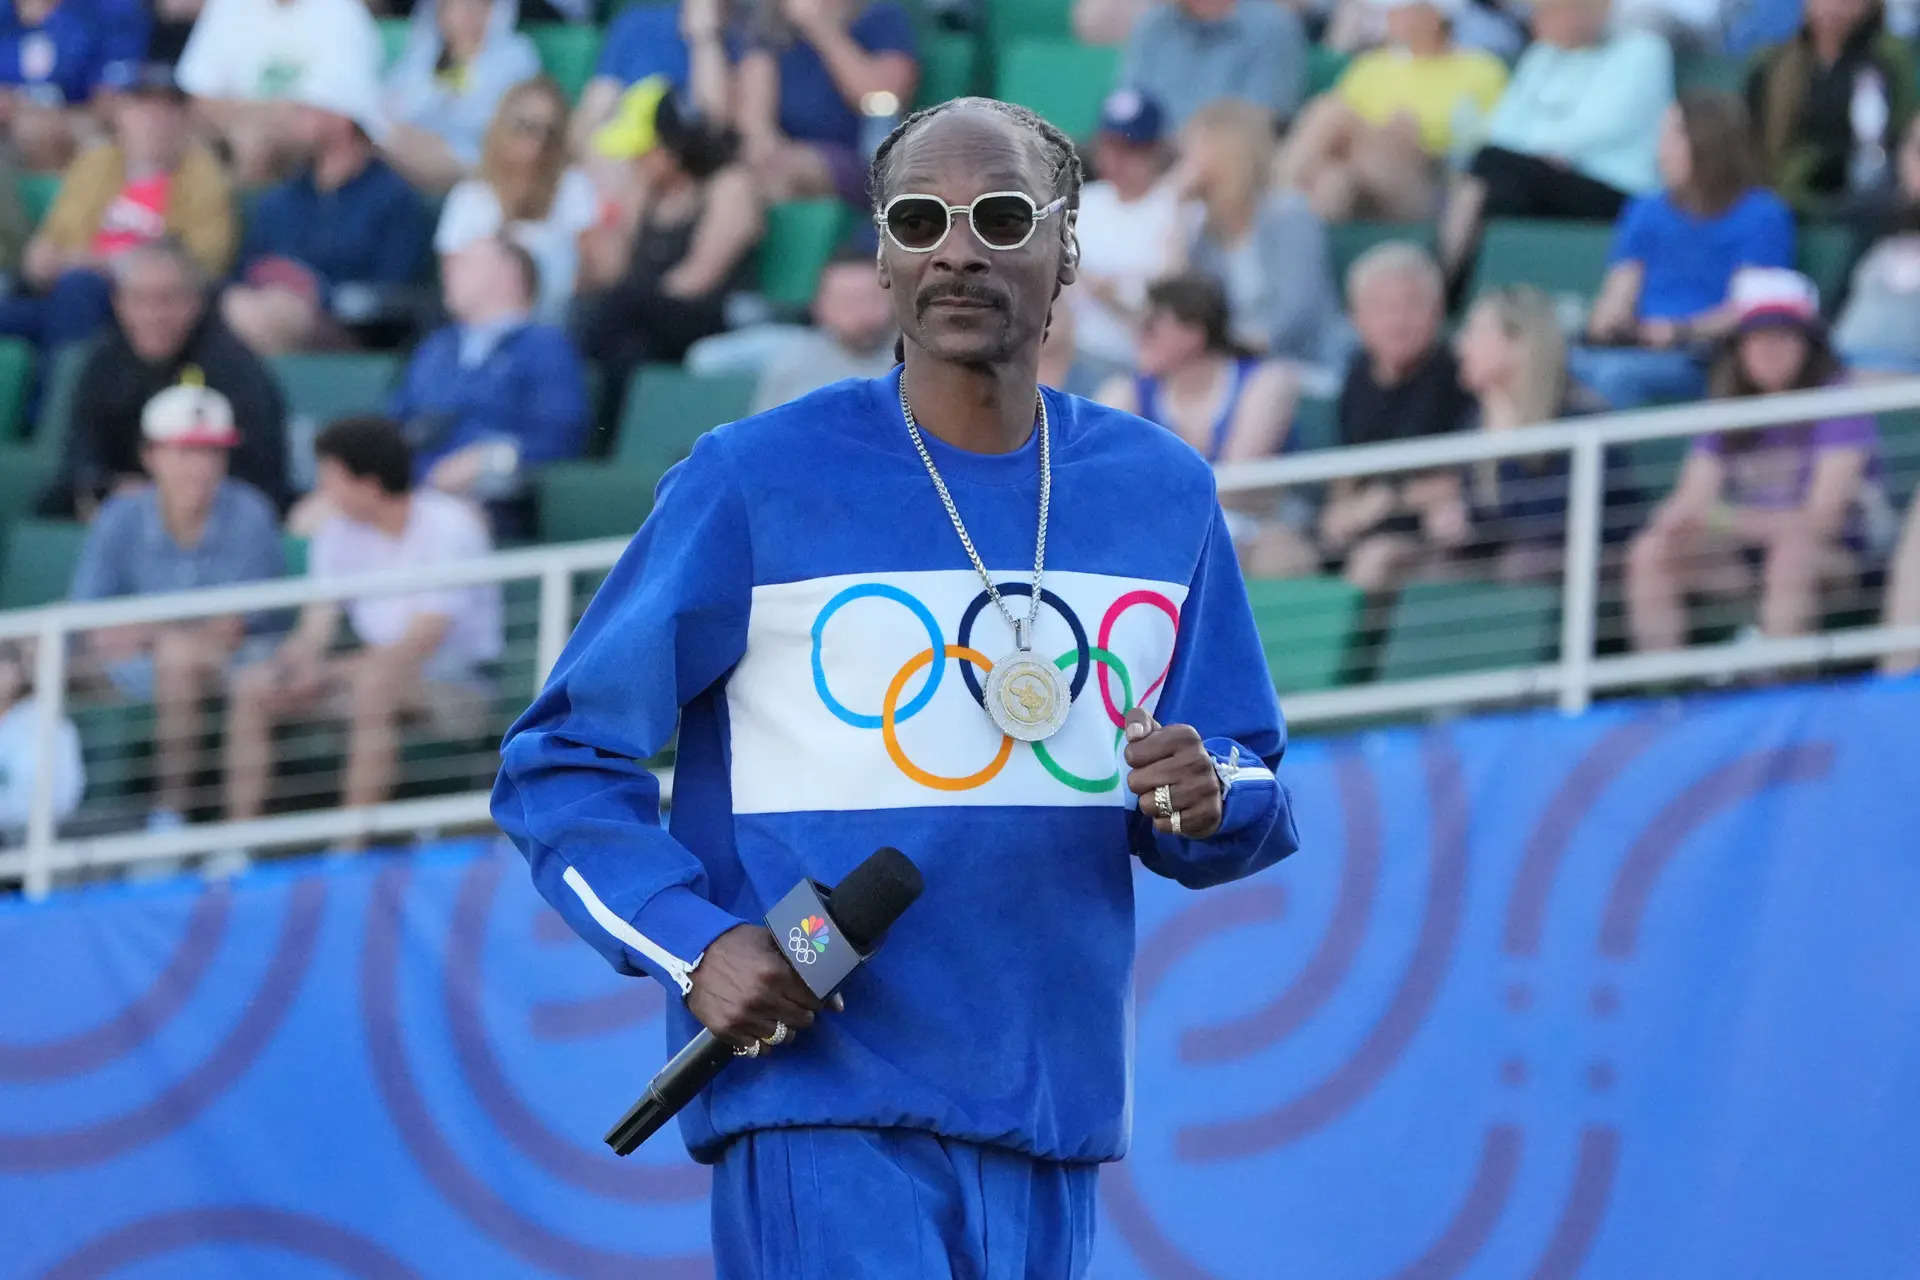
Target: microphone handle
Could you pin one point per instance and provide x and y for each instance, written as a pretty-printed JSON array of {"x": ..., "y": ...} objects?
[{"x": 677, "y": 1083}]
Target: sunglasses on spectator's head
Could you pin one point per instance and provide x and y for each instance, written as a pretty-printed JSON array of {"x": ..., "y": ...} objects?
[{"x": 1001, "y": 220}]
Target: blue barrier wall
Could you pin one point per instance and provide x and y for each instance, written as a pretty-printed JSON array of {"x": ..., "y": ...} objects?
[{"x": 1634, "y": 995}]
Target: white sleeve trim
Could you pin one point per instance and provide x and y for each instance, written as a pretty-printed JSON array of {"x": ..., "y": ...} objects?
[{"x": 679, "y": 970}]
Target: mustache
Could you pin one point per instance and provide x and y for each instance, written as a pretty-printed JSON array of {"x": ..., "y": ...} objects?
[{"x": 960, "y": 290}]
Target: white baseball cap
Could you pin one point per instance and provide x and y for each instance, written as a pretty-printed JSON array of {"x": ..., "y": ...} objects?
[{"x": 189, "y": 416}]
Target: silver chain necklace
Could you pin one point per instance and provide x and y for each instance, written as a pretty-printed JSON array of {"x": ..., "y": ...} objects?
[{"x": 1024, "y": 695}]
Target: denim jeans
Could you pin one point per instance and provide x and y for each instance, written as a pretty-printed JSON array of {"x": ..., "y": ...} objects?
[{"x": 1631, "y": 378}]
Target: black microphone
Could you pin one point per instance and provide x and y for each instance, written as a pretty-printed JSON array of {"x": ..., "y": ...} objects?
[{"x": 805, "y": 924}]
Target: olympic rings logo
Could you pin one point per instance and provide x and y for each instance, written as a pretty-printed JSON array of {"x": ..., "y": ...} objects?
[{"x": 1085, "y": 657}]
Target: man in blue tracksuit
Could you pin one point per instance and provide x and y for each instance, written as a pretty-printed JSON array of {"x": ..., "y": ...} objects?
[{"x": 1001, "y": 629}]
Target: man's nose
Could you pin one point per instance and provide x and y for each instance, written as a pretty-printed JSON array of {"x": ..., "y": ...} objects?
[{"x": 961, "y": 252}]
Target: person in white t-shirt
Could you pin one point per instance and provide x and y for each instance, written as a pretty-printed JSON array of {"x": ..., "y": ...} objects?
[
  {"x": 524, "y": 190},
  {"x": 422, "y": 657},
  {"x": 1130, "y": 232},
  {"x": 248, "y": 61},
  {"x": 19, "y": 741}
]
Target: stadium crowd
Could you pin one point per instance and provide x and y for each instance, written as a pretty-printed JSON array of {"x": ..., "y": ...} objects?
[{"x": 530, "y": 232}]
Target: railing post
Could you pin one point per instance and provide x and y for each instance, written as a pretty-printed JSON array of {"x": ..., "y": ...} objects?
[
  {"x": 49, "y": 695},
  {"x": 556, "y": 601},
  {"x": 1579, "y": 599}
]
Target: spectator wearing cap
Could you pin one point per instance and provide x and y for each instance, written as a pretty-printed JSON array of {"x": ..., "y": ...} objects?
[
  {"x": 1675, "y": 254},
  {"x": 1130, "y": 231},
  {"x": 330, "y": 242},
  {"x": 416, "y": 659},
  {"x": 249, "y": 61},
  {"x": 524, "y": 189},
  {"x": 54, "y": 55},
  {"x": 810, "y": 71},
  {"x": 192, "y": 527},
  {"x": 162, "y": 334},
  {"x": 1573, "y": 136},
  {"x": 494, "y": 393},
  {"x": 690, "y": 45},
  {"x": 150, "y": 182},
  {"x": 1185, "y": 54},
  {"x": 1796, "y": 510},
  {"x": 659, "y": 276},
  {"x": 1376, "y": 146},
  {"x": 851, "y": 337},
  {"x": 460, "y": 59}
]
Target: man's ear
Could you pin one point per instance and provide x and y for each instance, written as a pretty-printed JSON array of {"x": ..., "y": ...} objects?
[
  {"x": 1070, "y": 248},
  {"x": 880, "y": 267}
]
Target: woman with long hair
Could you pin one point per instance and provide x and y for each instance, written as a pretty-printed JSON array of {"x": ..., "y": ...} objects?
[
  {"x": 1265, "y": 246},
  {"x": 1229, "y": 405},
  {"x": 1801, "y": 503},
  {"x": 524, "y": 190},
  {"x": 1513, "y": 361},
  {"x": 460, "y": 59},
  {"x": 1664, "y": 298}
]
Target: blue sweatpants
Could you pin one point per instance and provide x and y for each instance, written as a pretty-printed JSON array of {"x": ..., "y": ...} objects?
[{"x": 896, "y": 1204}]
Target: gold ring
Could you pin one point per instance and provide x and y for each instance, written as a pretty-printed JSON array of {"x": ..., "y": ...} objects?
[
  {"x": 747, "y": 1050},
  {"x": 1173, "y": 820},
  {"x": 779, "y": 1036},
  {"x": 1163, "y": 799}
]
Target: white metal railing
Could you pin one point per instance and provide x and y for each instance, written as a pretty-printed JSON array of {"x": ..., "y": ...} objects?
[{"x": 1572, "y": 680}]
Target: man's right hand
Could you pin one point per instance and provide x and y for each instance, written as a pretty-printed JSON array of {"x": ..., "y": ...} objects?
[{"x": 743, "y": 986}]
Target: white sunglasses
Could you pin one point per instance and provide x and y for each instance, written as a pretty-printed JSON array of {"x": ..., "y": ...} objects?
[{"x": 1001, "y": 220}]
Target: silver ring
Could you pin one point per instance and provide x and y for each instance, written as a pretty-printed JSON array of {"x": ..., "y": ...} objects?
[
  {"x": 1173, "y": 820},
  {"x": 747, "y": 1050},
  {"x": 779, "y": 1036},
  {"x": 1163, "y": 799}
]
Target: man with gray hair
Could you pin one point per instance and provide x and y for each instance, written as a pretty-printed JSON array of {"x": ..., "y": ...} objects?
[
  {"x": 163, "y": 334},
  {"x": 1402, "y": 383}
]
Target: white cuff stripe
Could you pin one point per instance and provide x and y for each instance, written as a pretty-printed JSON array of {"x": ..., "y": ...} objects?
[{"x": 676, "y": 968}]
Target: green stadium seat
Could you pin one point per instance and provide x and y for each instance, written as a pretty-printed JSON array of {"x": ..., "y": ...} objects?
[
  {"x": 1449, "y": 628},
  {"x": 324, "y": 385},
  {"x": 1656, "y": 464},
  {"x": 567, "y": 52},
  {"x": 1063, "y": 81},
  {"x": 39, "y": 561},
  {"x": 1306, "y": 625},
  {"x": 949, "y": 66},
  {"x": 801, "y": 236},
  {"x": 23, "y": 474},
  {"x": 116, "y": 742},
  {"x": 393, "y": 37},
  {"x": 37, "y": 191},
  {"x": 1315, "y": 425},
  {"x": 56, "y": 398},
  {"x": 1900, "y": 453},
  {"x": 16, "y": 381},
  {"x": 1710, "y": 73},
  {"x": 1348, "y": 240},
  {"x": 1826, "y": 251},
  {"x": 1029, "y": 19},
  {"x": 583, "y": 500},
  {"x": 293, "y": 549},
  {"x": 667, "y": 409},
  {"x": 1559, "y": 257},
  {"x": 1324, "y": 67}
]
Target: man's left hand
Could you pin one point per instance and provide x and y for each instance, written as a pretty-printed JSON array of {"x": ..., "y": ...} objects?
[{"x": 1172, "y": 755}]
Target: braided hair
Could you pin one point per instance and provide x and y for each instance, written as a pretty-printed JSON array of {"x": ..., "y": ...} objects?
[{"x": 1064, "y": 171}]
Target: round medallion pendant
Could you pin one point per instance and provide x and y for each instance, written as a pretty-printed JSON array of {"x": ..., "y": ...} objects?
[{"x": 1025, "y": 697}]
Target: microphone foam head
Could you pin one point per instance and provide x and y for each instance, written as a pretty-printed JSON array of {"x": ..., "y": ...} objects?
[{"x": 873, "y": 895}]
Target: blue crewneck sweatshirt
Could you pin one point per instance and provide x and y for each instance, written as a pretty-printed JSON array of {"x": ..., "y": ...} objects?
[{"x": 782, "y": 605}]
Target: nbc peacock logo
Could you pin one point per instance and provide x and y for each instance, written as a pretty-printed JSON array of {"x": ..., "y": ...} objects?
[{"x": 808, "y": 940}]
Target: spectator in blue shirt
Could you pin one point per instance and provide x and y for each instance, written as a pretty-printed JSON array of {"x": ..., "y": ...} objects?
[
  {"x": 1675, "y": 253},
  {"x": 813, "y": 69},
  {"x": 691, "y": 43},
  {"x": 324, "y": 248},
  {"x": 1188, "y": 53},
  {"x": 193, "y": 527},
  {"x": 492, "y": 395},
  {"x": 53, "y": 55}
]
